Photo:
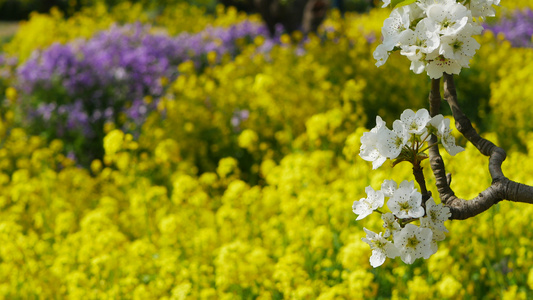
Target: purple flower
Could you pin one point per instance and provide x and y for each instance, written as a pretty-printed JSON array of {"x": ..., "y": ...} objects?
[
  {"x": 517, "y": 28},
  {"x": 7, "y": 67},
  {"x": 93, "y": 81},
  {"x": 238, "y": 117},
  {"x": 45, "y": 110}
]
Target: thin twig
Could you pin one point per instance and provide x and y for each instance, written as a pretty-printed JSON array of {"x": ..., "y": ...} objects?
[{"x": 419, "y": 177}]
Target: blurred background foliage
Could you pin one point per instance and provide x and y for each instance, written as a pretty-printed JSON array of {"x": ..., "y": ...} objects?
[
  {"x": 338, "y": 56},
  {"x": 20, "y": 9},
  {"x": 228, "y": 170}
]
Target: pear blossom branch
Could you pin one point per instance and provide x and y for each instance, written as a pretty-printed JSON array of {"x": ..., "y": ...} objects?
[{"x": 501, "y": 187}]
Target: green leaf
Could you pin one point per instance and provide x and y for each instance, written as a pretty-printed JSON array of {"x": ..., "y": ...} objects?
[
  {"x": 393, "y": 3},
  {"x": 406, "y": 2},
  {"x": 400, "y": 3}
]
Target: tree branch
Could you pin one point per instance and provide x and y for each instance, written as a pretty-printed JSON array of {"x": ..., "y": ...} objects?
[
  {"x": 501, "y": 188},
  {"x": 435, "y": 159},
  {"x": 419, "y": 177}
]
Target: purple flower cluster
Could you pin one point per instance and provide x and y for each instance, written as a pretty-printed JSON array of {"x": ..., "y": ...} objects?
[
  {"x": 517, "y": 28},
  {"x": 7, "y": 69},
  {"x": 7, "y": 66},
  {"x": 86, "y": 82}
]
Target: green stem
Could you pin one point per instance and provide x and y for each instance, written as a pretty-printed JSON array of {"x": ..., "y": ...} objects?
[
  {"x": 429, "y": 146},
  {"x": 404, "y": 222}
]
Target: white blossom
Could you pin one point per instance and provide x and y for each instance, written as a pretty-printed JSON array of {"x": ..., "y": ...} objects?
[
  {"x": 395, "y": 26},
  {"x": 365, "y": 206},
  {"x": 434, "y": 123},
  {"x": 419, "y": 41},
  {"x": 407, "y": 184},
  {"x": 390, "y": 224},
  {"x": 406, "y": 202},
  {"x": 482, "y": 8},
  {"x": 413, "y": 242},
  {"x": 447, "y": 139},
  {"x": 447, "y": 19},
  {"x": 388, "y": 187},
  {"x": 415, "y": 122},
  {"x": 369, "y": 142},
  {"x": 435, "y": 35},
  {"x": 391, "y": 142},
  {"x": 461, "y": 46},
  {"x": 382, "y": 143},
  {"x": 440, "y": 126},
  {"x": 423, "y": 4},
  {"x": 436, "y": 215},
  {"x": 437, "y": 65},
  {"x": 381, "y": 248},
  {"x": 418, "y": 63},
  {"x": 410, "y": 242},
  {"x": 381, "y": 54}
]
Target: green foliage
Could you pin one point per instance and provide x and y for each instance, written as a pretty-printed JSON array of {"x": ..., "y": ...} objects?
[
  {"x": 400, "y": 3},
  {"x": 201, "y": 206},
  {"x": 148, "y": 4},
  {"x": 20, "y": 9},
  {"x": 42, "y": 30}
]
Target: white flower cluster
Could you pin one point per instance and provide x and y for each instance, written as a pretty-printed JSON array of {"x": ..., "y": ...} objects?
[
  {"x": 435, "y": 35},
  {"x": 408, "y": 134},
  {"x": 405, "y": 203}
]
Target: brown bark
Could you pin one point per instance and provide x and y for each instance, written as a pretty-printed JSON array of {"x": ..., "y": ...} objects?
[
  {"x": 435, "y": 159},
  {"x": 501, "y": 188},
  {"x": 419, "y": 177}
]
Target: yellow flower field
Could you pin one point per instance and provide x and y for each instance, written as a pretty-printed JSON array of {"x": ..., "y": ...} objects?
[{"x": 239, "y": 183}]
